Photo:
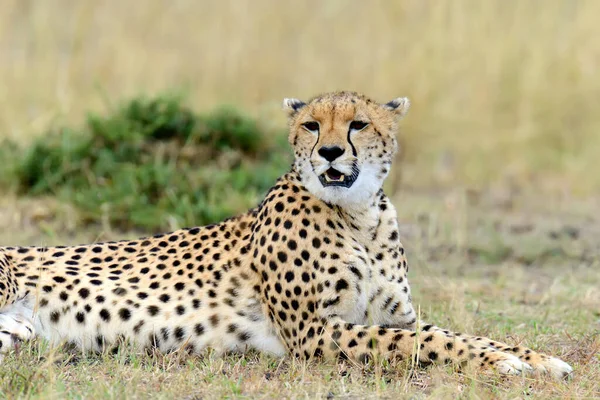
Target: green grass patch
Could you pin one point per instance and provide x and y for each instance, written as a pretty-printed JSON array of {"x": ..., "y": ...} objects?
[{"x": 152, "y": 164}]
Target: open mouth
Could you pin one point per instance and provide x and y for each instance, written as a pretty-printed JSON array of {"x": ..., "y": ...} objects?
[{"x": 333, "y": 177}]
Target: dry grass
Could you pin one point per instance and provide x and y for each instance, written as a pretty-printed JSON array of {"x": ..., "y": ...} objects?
[
  {"x": 501, "y": 90},
  {"x": 505, "y": 101},
  {"x": 510, "y": 271}
]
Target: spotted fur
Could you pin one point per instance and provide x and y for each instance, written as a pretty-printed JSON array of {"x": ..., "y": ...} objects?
[{"x": 316, "y": 270}]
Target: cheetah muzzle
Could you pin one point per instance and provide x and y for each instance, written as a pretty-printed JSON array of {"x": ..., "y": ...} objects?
[
  {"x": 317, "y": 270},
  {"x": 333, "y": 177}
]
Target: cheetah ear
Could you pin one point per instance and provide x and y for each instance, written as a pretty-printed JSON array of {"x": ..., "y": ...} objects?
[
  {"x": 400, "y": 106},
  {"x": 291, "y": 106}
]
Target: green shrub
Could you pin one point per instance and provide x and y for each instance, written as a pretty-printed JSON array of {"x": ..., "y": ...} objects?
[{"x": 153, "y": 164}]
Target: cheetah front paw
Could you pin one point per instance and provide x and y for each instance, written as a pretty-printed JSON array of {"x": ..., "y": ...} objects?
[
  {"x": 13, "y": 331},
  {"x": 551, "y": 365},
  {"x": 508, "y": 364}
]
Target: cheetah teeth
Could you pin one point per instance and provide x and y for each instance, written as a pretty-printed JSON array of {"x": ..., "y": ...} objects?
[{"x": 338, "y": 179}]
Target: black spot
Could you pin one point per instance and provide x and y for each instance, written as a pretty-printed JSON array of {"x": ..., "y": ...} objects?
[
  {"x": 125, "y": 314},
  {"x": 281, "y": 256},
  {"x": 164, "y": 298},
  {"x": 289, "y": 276},
  {"x": 305, "y": 255},
  {"x": 80, "y": 317},
  {"x": 295, "y": 305},
  {"x": 54, "y": 316},
  {"x": 341, "y": 285},
  {"x": 105, "y": 315},
  {"x": 165, "y": 333},
  {"x": 138, "y": 327},
  {"x": 331, "y": 302},
  {"x": 179, "y": 333}
]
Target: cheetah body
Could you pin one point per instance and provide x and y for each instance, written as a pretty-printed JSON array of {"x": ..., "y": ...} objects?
[{"x": 316, "y": 270}]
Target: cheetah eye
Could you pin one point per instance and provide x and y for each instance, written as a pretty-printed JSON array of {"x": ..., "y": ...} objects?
[
  {"x": 358, "y": 125},
  {"x": 311, "y": 126}
]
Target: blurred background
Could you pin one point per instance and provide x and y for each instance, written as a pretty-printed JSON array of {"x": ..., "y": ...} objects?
[
  {"x": 125, "y": 118},
  {"x": 504, "y": 94}
]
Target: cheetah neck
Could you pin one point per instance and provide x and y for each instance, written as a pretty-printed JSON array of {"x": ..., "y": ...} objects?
[{"x": 362, "y": 217}]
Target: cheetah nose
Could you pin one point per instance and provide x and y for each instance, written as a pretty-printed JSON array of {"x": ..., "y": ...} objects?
[{"x": 330, "y": 153}]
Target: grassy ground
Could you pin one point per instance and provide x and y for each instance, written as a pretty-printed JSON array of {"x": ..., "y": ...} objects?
[{"x": 516, "y": 268}]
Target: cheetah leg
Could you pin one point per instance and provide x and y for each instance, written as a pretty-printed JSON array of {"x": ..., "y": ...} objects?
[
  {"x": 16, "y": 316},
  {"x": 538, "y": 361},
  {"x": 337, "y": 339}
]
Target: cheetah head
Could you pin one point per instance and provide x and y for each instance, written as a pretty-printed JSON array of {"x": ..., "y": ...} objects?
[{"x": 344, "y": 144}]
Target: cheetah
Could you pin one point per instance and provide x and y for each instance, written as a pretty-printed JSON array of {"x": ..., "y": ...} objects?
[{"x": 316, "y": 270}]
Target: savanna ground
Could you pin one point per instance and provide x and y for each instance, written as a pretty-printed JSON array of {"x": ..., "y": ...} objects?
[{"x": 498, "y": 189}]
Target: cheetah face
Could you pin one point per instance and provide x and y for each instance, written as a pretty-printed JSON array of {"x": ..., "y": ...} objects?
[{"x": 344, "y": 144}]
